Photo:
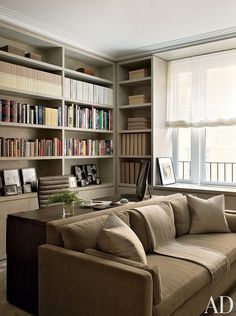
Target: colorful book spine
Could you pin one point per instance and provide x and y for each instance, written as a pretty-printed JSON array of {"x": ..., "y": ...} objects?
[{"x": 88, "y": 147}]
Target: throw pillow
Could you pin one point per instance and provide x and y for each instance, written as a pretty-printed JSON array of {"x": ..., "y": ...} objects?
[
  {"x": 207, "y": 216},
  {"x": 119, "y": 239}
]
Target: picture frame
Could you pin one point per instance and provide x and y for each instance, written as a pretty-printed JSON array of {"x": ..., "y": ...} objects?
[
  {"x": 29, "y": 177},
  {"x": 166, "y": 170},
  {"x": 10, "y": 190},
  {"x": 27, "y": 188},
  {"x": 72, "y": 182},
  {"x": 19, "y": 190},
  {"x": 11, "y": 177}
]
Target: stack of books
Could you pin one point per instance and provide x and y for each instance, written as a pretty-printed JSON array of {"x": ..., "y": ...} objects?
[
  {"x": 16, "y": 112},
  {"x": 137, "y": 144},
  {"x": 139, "y": 123},
  {"x": 88, "y": 147},
  {"x": 31, "y": 80},
  {"x": 18, "y": 147},
  {"x": 129, "y": 172},
  {"x": 87, "y": 92},
  {"x": 92, "y": 118}
]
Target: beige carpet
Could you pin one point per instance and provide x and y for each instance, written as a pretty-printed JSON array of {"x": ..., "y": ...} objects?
[{"x": 10, "y": 310}]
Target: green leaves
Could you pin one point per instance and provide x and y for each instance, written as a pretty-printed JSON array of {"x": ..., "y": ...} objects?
[{"x": 66, "y": 197}]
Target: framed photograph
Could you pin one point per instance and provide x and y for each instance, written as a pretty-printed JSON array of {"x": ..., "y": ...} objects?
[
  {"x": 11, "y": 177},
  {"x": 29, "y": 177},
  {"x": 10, "y": 189},
  {"x": 166, "y": 170},
  {"x": 27, "y": 188},
  {"x": 72, "y": 182},
  {"x": 19, "y": 190}
]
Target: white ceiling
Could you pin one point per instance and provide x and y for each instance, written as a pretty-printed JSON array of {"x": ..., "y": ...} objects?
[{"x": 125, "y": 27}]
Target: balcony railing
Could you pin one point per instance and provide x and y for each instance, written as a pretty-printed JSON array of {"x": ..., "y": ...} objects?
[
  {"x": 184, "y": 170},
  {"x": 223, "y": 172}
]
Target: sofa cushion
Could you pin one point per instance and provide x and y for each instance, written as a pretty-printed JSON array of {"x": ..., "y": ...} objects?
[
  {"x": 207, "y": 216},
  {"x": 119, "y": 239},
  {"x": 181, "y": 215},
  {"x": 154, "y": 270},
  {"x": 224, "y": 243},
  {"x": 180, "y": 280},
  {"x": 138, "y": 225},
  {"x": 84, "y": 234}
]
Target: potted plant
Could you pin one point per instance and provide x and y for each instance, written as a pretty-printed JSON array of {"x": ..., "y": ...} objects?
[{"x": 67, "y": 199}]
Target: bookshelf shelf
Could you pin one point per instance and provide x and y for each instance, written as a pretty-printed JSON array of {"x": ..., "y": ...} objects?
[
  {"x": 88, "y": 130},
  {"x": 136, "y": 106},
  {"x": 94, "y": 187},
  {"x": 89, "y": 104},
  {"x": 31, "y": 158},
  {"x": 89, "y": 157},
  {"x": 25, "y": 61},
  {"x": 26, "y": 94},
  {"x": 127, "y": 131},
  {"x": 88, "y": 78},
  {"x": 18, "y": 197},
  {"x": 136, "y": 82},
  {"x": 136, "y": 156},
  {"x": 22, "y": 125}
]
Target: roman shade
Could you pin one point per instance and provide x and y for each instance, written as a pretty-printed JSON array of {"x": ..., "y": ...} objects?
[{"x": 202, "y": 90}]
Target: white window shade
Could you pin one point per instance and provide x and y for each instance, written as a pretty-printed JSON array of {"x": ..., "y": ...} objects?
[{"x": 202, "y": 91}]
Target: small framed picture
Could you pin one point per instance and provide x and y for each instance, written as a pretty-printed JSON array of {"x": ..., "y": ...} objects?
[
  {"x": 10, "y": 189},
  {"x": 166, "y": 170},
  {"x": 11, "y": 176},
  {"x": 27, "y": 188},
  {"x": 29, "y": 177},
  {"x": 19, "y": 190},
  {"x": 72, "y": 182}
]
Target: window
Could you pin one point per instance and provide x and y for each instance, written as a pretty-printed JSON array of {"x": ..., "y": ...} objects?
[
  {"x": 206, "y": 155},
  {"x": 201, "y": 110}
]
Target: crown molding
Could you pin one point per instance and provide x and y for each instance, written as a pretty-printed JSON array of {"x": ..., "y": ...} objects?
[
  {"x": 20, "y": 20},
  {"x": 179, "y": 43}
]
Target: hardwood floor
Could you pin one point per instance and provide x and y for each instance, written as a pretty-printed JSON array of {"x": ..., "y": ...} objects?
[{"x": 7, "y": 309}]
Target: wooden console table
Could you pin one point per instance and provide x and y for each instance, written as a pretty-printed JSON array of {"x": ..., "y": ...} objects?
[{"x": 26, "y": 231}]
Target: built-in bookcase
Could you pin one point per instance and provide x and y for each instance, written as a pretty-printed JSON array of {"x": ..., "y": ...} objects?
[
  {"x": 134, "y": 120},
  {"x": 61, "y": 61}
]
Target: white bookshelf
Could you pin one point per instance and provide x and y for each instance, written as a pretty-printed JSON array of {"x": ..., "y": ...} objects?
[
  {"x": 126, "y": 88},
  {"x": 60, "y": 60}
]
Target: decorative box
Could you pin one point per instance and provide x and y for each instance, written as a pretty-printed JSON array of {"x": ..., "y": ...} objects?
[
  {"x": 13, "y": 50},
  {"x": 137, "y": 74},
  {"x": 137, "y": 99}
]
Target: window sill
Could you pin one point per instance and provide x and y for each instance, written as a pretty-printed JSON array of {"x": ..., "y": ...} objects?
[{"x": 194, "y": 188}]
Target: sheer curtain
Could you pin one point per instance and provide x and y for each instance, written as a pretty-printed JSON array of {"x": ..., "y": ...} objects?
[{"x": 202, "y": 90}]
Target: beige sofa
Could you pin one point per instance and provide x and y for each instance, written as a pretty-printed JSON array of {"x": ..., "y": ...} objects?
[{"x": 76, "y": 281}]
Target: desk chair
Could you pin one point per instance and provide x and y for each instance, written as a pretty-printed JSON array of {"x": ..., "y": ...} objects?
[{"x": 51, "y": 185}]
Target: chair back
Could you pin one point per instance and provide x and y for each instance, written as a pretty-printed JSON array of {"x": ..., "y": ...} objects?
[{"x": 51, "y": 185}]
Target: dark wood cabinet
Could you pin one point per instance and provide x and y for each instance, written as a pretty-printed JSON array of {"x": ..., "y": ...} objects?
[{"x": 26, "y": 231}]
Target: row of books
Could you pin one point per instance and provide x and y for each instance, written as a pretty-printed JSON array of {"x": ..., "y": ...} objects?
[
  {"x": 16, "y": 112},
  {"x": 18, "y": 147},
  {"x": 129, "y": 172},
  {"x": 136, "y": 144},
  {"x": 88, "y": 147},
  {"x": 139, "y": 123},
  {"x": 93, "y": 118},
  {"x": 31, "y": 80},
  {"x": 87, "y": 92}
]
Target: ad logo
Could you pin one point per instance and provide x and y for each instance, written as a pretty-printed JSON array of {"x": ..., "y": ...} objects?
[{"x": 222, "y": 308}]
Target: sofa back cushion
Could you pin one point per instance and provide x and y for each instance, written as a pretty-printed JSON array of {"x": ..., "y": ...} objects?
[
  {"x": 117, "y": 238},
  {"x": 181, "y": 215},
  {"x": 84, "y": 234}
]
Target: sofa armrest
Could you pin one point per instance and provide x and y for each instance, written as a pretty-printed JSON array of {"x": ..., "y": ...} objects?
[
  {"x": 231, "y": 219},
  {"x": 74, "y": 283},
  {"x": 153, "y": 270}
]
